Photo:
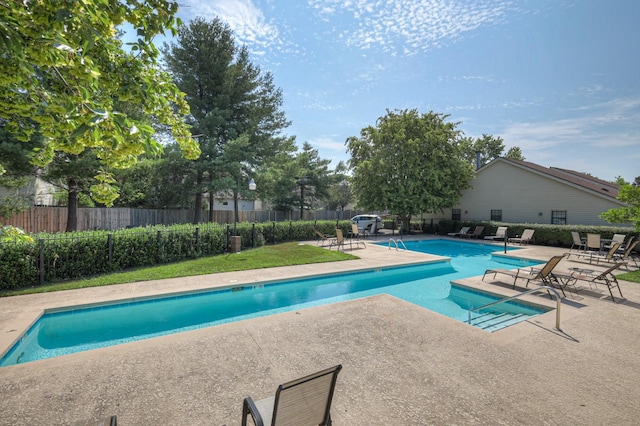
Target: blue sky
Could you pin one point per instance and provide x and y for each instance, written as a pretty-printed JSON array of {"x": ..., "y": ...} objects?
[{"x": 560, "y": 79}]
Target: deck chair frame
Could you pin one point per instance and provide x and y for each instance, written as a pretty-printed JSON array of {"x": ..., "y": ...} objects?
[
  {"x": 544, "y": 274},
  {"x": 591, "y": 256},
  {"x": 304, "y": 402},
  {"x": 107, "y": 421},
  {"x": 578, "y": 242},
  {"x": 463, "y": 231},
  {"x": 322, "y": 239},
  {"x": 477, "y": 233},
  {"x": 606, "y": 278},
  {"x": 525, "y": 238},
  {"x": 500, "y": 233}
]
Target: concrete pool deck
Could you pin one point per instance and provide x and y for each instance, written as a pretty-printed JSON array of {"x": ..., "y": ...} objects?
[{"x": 402, "y": 364}]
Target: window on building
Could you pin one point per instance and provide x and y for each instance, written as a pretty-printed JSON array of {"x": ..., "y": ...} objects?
[
  {"x": 496, "y": 215},
  {"x": 456, "y": 214},
  {"x": 558, "y": 217}
]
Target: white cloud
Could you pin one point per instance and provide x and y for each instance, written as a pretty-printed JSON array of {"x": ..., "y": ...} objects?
[
  {"x": 410, "y": 26},
  {"x": 611, "y": 124},
  {"x": 245, "y": 19},
  {"x": 331, "y": 148}
]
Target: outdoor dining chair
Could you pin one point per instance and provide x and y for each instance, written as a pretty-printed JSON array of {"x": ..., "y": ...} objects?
[{"x": 301, "y": 402}]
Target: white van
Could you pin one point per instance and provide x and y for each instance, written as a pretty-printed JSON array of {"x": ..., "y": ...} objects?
[{"x": 368, "y": 222}]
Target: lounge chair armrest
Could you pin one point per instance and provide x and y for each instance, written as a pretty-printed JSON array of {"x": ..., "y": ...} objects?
[{"x": 249, "y": 407}]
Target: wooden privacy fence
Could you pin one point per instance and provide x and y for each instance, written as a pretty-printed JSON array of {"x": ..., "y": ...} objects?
[{"x": 54, "y": 219}]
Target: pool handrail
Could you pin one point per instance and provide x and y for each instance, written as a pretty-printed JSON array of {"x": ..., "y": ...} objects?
[
  {"x": 532, "y": 290},
  {"x": 395, "y": 242}
]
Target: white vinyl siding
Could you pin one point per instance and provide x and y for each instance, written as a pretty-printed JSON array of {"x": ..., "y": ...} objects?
[{"x": 523, "y": 194}]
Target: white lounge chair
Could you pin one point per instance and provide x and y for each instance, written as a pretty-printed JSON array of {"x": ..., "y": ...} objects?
[
  {"x": 525, "y": 238},
  {"x": 500, "y": 233},
  {"x": 462, "y": 231}
]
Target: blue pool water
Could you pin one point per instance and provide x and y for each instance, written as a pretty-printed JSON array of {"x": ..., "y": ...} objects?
[{"x": 429, "y": 285}]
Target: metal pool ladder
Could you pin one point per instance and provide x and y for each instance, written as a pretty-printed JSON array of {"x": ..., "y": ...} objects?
[
  {"x": 396, "y": 243},
  {"x": 506, "y": 299}
]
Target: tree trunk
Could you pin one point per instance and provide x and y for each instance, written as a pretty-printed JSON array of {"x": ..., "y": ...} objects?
[
  {"x": 197, "y": 209},
  {"x": 72, "y": 206},
  {"x": 406, "y": 223}
]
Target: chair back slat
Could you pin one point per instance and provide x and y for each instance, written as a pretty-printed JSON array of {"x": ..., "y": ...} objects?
[
  {"x": 306, "y": 401},
  {"x": 632, "y": 245},
  {"x": 550, "y": 265},
  {"x": 593, "y": 241},
  {"x": 527, "y": 234},
  {"x": 576, "y": 238},
  {"x": 604, "y": 274},
  {"x": 612, "y": 251}
]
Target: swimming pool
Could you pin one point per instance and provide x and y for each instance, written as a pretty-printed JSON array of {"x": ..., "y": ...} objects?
[{"x": 64, "y": 331}]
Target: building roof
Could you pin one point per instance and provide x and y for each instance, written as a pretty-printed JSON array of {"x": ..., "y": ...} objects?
[{"x": 569, "y": 177}]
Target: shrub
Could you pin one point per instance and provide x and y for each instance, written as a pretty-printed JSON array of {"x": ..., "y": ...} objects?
[{"x": 77, "y": 254}]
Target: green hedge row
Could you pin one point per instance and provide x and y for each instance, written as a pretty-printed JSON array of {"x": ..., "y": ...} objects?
[
  {"x": 544, "y": 235},
  {"x": 58, "y": 257}
]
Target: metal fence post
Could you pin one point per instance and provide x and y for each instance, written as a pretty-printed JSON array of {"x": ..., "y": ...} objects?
[
  {"x": 110, "y": 249},
  {"x": 159, "y": 240},
  {"x": 253, "y": 235},
  {"x": 41, "y": 261}
]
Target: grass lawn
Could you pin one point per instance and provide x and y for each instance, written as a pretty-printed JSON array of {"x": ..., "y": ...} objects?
[
  {"x": 285, "y": 254},
  {"x": 633, "y": 276}
]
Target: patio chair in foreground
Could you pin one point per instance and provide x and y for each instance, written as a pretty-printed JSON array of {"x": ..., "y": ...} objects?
[
  {"x": 107, "y": 421},
  {"x": 543, "y": 275},
  {"x": 302, "y": 402},
  {"x": 462, "y": 231},
  {"x": 477, "y": 233},
  {"x": 606, "y": 278},
  {"x": 500, "y": 232},
  {"x": 525, "y": 238}
]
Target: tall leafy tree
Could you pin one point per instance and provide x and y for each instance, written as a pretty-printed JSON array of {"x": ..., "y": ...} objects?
[
  {"x": 629, "y": 194},
  {"x": 340, "y": 191},
  {"x": 299, "y": 179},
  {"x": 312, "y": 178},
  {"x": 136, "y": 183},
  {"x": 170, "y": 187},
  {"x": 515, "y": 153},
  {"x": 74, "y": 174},
  {"x": 235, "y": 107},
  {"x": 63, "y": 68},
  {"x": 488, "y": 146},
  {"x": 408, "y": 163},
  {"x": 15, "y": 155}
]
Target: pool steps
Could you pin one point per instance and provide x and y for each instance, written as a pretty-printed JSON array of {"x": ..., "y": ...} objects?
[{"x": 493, "y": 321}]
